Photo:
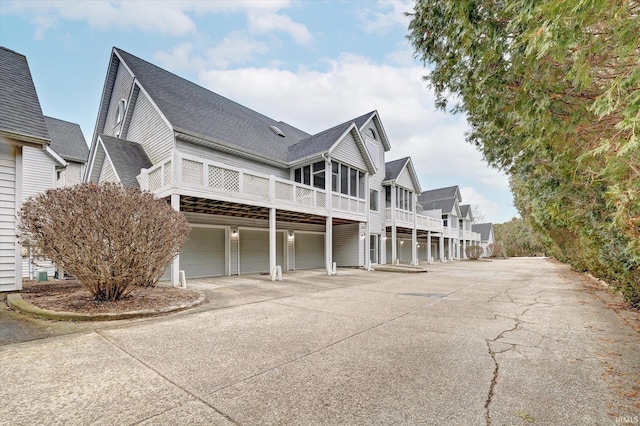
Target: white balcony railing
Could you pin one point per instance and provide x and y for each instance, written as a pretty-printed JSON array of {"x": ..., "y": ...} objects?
[
  {"x": 221, "y": 179},
  {"x": 451, "y": 232},
  {"x": 405, "y": 218},
  {"x": 469, "y": 235}
]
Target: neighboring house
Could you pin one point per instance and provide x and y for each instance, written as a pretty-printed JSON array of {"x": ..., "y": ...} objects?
[
  {"x": 467, "y": 236},
  {"x": 60, "y": 164},
  {"x": 259, "y": 193},
  {"x": 456, "y": 219},
  {"x": 486, "y": 236},
  {"x": 23, "y": 131},
  {"x": 68, "y": 143}
]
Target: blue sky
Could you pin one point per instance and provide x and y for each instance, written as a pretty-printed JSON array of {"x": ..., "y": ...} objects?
[{"x": 313, "y": 64}]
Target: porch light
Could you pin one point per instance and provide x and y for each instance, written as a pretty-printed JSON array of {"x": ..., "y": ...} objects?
[
  {"x": 418, "y": 245},
  {"x": 291, "y": 235},
  {"x": 362, "y": 236},
  {"x": 234, "y": 233},
  {"x": 401, "y": 242}
]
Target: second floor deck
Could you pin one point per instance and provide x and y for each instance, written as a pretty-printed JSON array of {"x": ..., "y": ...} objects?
[{"x": 199, "y": 177}]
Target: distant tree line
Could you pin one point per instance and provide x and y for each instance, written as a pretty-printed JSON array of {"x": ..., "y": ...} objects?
[
  {"x": 518, "y": 238},
  {"x": 551, "y": 91}
]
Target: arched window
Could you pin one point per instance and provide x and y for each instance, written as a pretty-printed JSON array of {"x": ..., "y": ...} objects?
[
  {"x": 122, "y": 106},
  {"x": 371, "y": 133}
]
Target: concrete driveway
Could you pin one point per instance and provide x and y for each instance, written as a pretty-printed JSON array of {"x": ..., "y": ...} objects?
[{"x": 518, "y": 341}]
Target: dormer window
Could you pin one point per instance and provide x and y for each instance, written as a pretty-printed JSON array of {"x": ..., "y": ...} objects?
[
  {"x": 122, "y": 106},
  {"x": 372, "y": 133}
]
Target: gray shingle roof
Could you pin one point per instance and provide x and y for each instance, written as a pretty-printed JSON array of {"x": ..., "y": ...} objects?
[
  {"x": 199, "y": 111},
  {"x": 394, "y": 168},
  {"x": 127, "y": 158},
  {"x": 317, "y": 143},
  {"x": 363, "y": 119},
  {"x": 464, "y": 209},
  {"x": 20, "y": 110},
  {"x": 446, "y": 205},
  {"x": 484, "y": 229},
  {"x": 438, "y": 194},
  {"x": 67, "y": 140}
]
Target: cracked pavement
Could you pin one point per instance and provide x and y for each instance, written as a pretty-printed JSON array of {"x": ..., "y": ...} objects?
[{"x": 518, "y": 341}]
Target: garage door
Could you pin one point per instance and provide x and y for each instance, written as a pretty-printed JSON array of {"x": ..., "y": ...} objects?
[
  {"x": 203, "y": 255},
  {"x": 309, "y": 250},
  {"x": 254, "y": 251}
]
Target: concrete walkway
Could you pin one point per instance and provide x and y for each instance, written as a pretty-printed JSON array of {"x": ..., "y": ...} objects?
[{"x": 519, "y": 341}]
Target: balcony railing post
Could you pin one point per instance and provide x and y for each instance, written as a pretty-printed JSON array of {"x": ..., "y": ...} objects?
[
  {"x": 272, "y": 188},
  {"x": 177, "y": 168}
]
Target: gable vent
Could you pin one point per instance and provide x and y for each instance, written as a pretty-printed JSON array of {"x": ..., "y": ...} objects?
[{"x": 277, "y": 131}]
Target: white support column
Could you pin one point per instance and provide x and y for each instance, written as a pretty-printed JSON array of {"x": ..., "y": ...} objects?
[
  {"x": 394, "y": 241},
  {"x": 328, "y": 233},
  {"x": 367, "y": 227},
  {"x": 429, "y": 247},
  {"x": 272, "y": 243},
  {"x": 175, "y": 264},
  {"x": 450, "y": 249},
  {"x": 441, "y": 252},
  {"x": 328, "y": 245},
  {"x": 414, "y": 233},
  {"x": 414, "y": 246},
  {"x": 464, "y": 249}
]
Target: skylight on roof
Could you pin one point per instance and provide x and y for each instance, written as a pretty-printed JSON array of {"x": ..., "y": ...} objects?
[{"x": 277, "y": 131}]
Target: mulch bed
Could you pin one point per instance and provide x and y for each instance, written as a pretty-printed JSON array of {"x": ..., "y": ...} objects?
[{"x": 71, "y": 296}]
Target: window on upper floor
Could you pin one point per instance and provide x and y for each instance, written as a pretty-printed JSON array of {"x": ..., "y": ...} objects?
[
  {"x": 312, "y": 174},
  {"x": 445, "y": 220},
  {"x": 347, "y": 180},
  {"x": 372, "y": 134},
  {"x": 373, "y": 200},
  {"x": 404, "y": 199},
  {"x": 122, "y": 106},
  {"x": 387, "y": 196},
  {"x": 319, "y": 180}
]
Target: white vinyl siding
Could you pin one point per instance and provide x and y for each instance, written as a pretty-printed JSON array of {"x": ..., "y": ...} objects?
[
  {"x": 204, "y": 253},
  {"x": 232, "y": 160},
  {"x": 347, "y": 152},
  {"x": 254, "y": 250},
  {"x": 309, "y": 250},
  {"x": 7, "y": 216},
  {"x": 405, "y": 180},
  {"x": 97, "y": 164},
  {"x": 38, "y": 172},
  {"x": 121, "y": 90},
  {"x": 108, "y": 173},
  {"x": 72, "y": 175},
  {"x": 378, "y": 218},
  {"x": 149, "y": 129}
]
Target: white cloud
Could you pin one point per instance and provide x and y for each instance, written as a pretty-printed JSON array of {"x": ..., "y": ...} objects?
[
  {"x": 386, "y": 15},
  {"x": 488, "y": 208},
  {"x": 267, "y": 22},
  {"x": 351, "y": 86},
  {"x": 162, "y": 17}
]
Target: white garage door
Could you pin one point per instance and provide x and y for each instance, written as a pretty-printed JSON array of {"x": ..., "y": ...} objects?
[
  {"x": 254, "y": 250},
  {"x": 309, "y": 250},
  {"x": 203, "y": 255}
]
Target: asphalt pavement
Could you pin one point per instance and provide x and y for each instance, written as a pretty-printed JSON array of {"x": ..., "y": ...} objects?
[{"x": 517, "y": 341}]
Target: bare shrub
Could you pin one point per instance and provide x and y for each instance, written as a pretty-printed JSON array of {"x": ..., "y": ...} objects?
[
  {"x": 108, "y": 237},
  {"x": 473, "y": 252},
  {"x": 496, "y": 249}
]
